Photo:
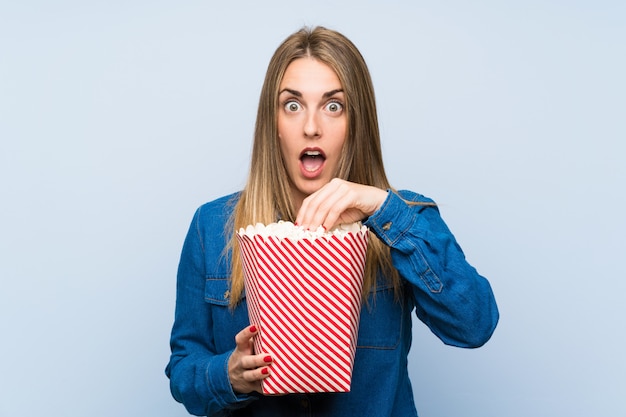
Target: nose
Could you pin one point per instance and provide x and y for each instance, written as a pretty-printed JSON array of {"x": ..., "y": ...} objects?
[{"x": 312, "y": 128}]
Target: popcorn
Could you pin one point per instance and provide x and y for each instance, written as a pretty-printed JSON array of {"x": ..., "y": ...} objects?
[
  {"x": 288, "y": 230},
  {"x": 304, "y": 290}
]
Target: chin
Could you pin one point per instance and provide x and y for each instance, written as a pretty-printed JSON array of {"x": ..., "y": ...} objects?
[{"x": 310, "y": 188}]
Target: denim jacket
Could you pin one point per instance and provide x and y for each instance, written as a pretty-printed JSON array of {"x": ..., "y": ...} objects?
[{"x": 447, "y": 294}]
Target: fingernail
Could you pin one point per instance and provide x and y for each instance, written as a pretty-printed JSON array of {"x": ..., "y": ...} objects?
[
  {"x": 265, "y": 371},
  {"x": 252, "y": 329},
  {"x": 267, "y": 359}
]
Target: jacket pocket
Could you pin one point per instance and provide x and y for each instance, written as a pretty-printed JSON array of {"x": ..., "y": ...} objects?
[
  {"x": 381, "y": 320},
  {"x": 217, "y": 290}
]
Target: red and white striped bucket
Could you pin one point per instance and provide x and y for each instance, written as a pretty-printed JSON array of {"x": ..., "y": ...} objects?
[{"x": 306, "y": 296}]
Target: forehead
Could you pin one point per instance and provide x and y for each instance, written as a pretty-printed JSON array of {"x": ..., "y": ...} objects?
[{"x": 311, "y": 74}]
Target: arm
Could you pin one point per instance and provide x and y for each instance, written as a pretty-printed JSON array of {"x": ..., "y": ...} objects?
[
  {"x": 198, "y": 373},
  {"x": 452, "y": 299}
]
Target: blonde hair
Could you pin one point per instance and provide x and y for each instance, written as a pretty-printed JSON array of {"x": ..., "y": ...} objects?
[{"x": 267, "y": 196}]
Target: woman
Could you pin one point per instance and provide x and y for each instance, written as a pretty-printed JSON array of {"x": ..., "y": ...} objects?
[{"x": 317, "y": 161}]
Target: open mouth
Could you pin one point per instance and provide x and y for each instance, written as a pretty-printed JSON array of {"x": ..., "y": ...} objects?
[{"x": 312, "y": 159}]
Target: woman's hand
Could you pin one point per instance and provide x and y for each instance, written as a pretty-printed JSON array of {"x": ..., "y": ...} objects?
[
  {"x": 339, "y": 202},
  {"x": 246, "y": 371}
]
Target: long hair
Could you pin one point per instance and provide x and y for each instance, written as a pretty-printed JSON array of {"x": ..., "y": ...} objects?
[{"x": 267, "y": 195}]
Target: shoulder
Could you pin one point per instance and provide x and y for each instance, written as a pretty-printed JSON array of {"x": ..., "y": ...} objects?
[
  {"x": 226, "y": 202},
  {"x": 211, "y": 221},
  {"x": 214, "y": 215},
  {"x": 220, "y": 207}
]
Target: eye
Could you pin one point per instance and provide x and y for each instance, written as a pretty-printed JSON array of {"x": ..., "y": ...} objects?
[
  {"x": 292, "y": 106},
  {"x": 334, "y": 107}
]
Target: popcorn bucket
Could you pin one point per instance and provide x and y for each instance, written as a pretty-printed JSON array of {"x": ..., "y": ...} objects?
[{"x": 304, "y": 290}]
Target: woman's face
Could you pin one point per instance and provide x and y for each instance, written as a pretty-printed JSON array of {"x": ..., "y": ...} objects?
[{"x": 312, "y": 125}]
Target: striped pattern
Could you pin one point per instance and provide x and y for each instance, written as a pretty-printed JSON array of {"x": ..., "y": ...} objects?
[{"x": 306, "y": 296}]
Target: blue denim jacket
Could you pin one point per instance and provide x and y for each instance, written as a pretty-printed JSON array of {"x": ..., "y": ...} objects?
[{"x": 447, "y": 294}]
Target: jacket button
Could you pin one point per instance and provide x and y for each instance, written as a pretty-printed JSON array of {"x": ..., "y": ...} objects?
[
  {"x": 387, "y": 226},
  {"x": 226, "y": 295}
]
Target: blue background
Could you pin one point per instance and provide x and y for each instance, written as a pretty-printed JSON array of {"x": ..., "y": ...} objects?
[{"x": 119, "y": 118}]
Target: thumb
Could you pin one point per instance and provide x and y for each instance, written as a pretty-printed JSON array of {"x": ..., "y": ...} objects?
[{"x": 245, "y": 339}]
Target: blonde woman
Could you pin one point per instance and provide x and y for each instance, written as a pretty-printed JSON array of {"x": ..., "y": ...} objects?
[{"x": 317, "y": 161}]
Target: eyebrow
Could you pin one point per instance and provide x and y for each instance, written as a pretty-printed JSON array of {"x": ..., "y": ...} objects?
[{"x": 296, "y": 93}]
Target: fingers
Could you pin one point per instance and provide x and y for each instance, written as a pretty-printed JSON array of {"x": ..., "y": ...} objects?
[
  {"x": 323, "y": 207},
  {"x": 244, "y": 339},
  {"x": 257, "y": 367},
  {"x": 339, "y": 202},
  {"x": 246, "y": 370}
]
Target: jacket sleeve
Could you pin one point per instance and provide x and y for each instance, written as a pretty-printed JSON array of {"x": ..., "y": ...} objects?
[
  {"x": 451, "y": 298},
  {"x": 198, "y": 374}
]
